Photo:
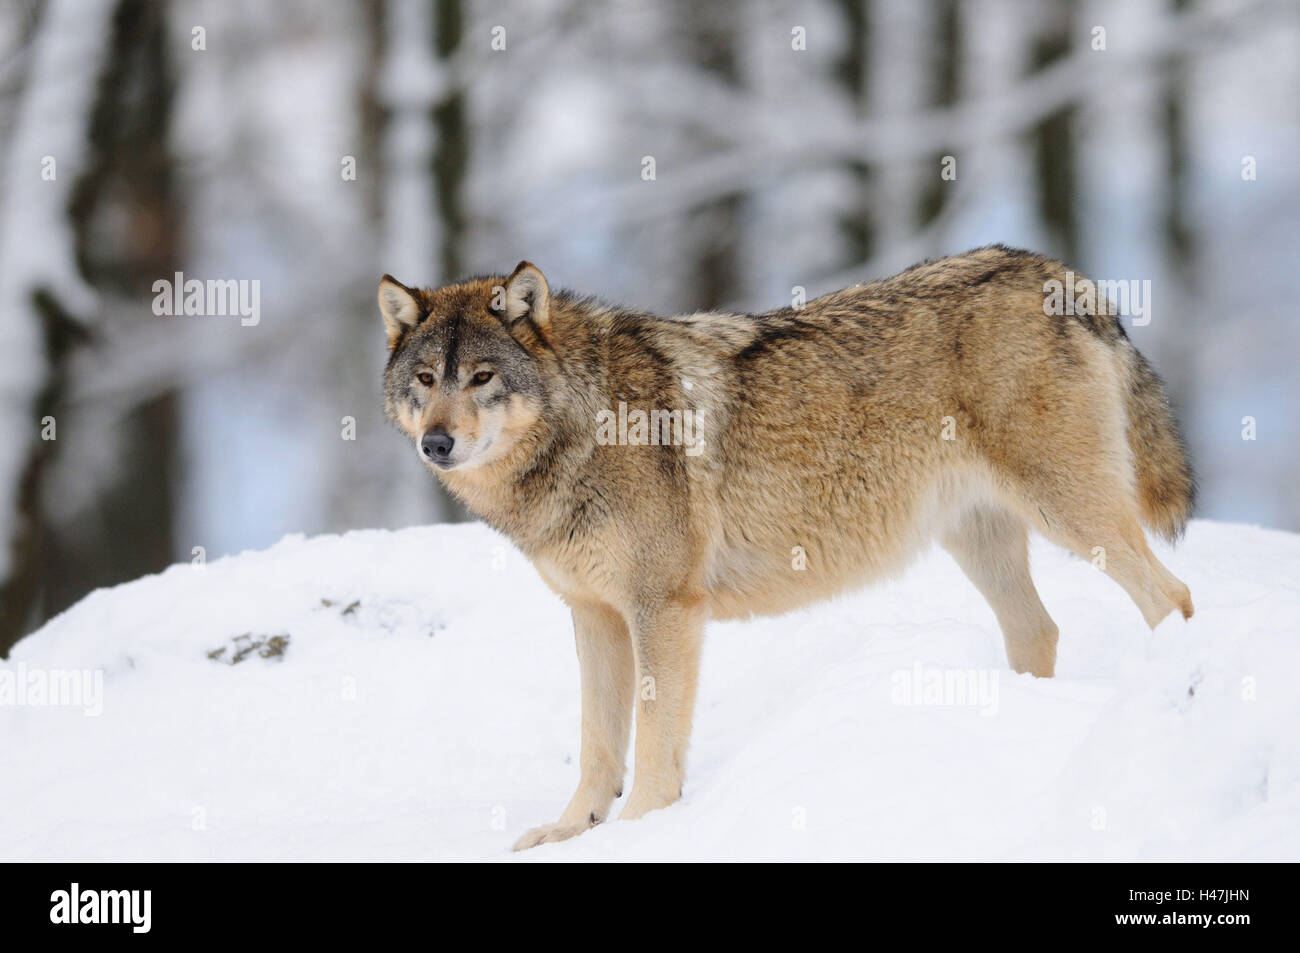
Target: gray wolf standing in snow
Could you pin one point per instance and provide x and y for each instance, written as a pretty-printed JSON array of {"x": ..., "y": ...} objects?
[{"x": 663, "y": 471}]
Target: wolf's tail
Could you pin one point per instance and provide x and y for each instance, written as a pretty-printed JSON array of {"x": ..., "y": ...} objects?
[{"x": 1166, "y": 486}]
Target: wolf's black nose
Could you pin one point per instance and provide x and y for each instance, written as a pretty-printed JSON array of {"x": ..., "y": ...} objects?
[{"x": 437, "y": 444}]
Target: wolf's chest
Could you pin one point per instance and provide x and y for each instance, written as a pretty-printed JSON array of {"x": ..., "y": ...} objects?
[{"x": 579, "y": 578}]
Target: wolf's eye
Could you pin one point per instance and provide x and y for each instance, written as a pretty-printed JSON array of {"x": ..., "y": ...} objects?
[
  {"x": 481, "y": 378},
  {"x": 425, "y": 378}
]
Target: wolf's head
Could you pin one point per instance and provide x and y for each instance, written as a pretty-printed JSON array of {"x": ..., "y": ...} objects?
[{"x": 463, "y": 379}]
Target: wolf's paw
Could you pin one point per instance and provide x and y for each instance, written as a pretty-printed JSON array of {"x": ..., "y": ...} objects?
[
  {"x": 639, "y": 804},
  {"x": 549, "y": 834}
]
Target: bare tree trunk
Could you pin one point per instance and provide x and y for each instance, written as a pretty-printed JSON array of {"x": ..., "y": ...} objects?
[
  {"x": 709, "y": 39},
  {"x": 946, "y": 68},
  {"x": 901, "y": 85},
  {"x": 20, "y": 586},
  {"x": 1180, "y": 244},
  {"x": 353, "y": 391},
  {"x": 18, "y": 67},
  {"x": 385, "y": 26},
  {"x": 851, "y": 72},
  {"x": 1054, "y": 142},
  {"x": 450, "y": 164},
  {"x": 128, "y": 187},
  {"x": 372, "y": 110},
  {"x": 451, "y": 143},
  {"x": 24, "y": 592}
]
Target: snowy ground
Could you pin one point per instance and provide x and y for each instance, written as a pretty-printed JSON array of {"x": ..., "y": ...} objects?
[{"x": 430, "y": 712}]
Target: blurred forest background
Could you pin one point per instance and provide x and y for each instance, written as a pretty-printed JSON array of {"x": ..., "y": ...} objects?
[{"x": 793, "y": 144}]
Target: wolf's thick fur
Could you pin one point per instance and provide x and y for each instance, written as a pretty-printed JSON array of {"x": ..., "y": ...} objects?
[{"x": 838, "y": 440}]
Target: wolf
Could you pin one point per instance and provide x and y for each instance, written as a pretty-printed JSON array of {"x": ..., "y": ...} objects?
[{"x": 832, "y": 442}]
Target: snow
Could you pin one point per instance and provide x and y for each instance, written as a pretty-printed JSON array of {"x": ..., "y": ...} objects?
[{"x": 429, "y": 711}]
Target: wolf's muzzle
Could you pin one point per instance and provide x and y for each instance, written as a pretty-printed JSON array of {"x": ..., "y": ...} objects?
[{"x": 436, "y": 446}]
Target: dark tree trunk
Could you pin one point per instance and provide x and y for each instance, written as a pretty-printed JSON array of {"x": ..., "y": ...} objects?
[
  {"x": 451, "y": 144},
  {"x": 1054, "y": 141},
  {"x": 710, "y": 41},
  {"x": 851, "y": 72},
  {"x": 1180, "y": 244},
  {"x": 946, "y": 65},
  {"x": 127, "y": 191},
  {"x": 449, "y": 167},
  {"x": 373, "y": 112},
  {"x": 20, "y": 590},
  {"x": 24, "y": 593}
]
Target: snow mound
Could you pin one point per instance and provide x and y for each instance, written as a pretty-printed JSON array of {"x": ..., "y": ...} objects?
[{"x": 414, "y": 696}]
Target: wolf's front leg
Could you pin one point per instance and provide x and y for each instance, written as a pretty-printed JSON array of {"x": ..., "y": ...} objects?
[
  {"x": 608, "y": 673},
  {"x": 667, "y": 642}
]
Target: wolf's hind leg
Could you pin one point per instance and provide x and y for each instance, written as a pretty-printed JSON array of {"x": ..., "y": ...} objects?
[
  {"x": 1095, "y": 517},
  {"x": 1114, "y": 541},
  {"x": 991, "y": 546}
]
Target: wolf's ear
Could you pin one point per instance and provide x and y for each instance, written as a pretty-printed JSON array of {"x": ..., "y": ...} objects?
[
  {"x": 528, "y": 296},
  {"x": 400, "y": 308}
]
